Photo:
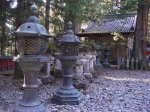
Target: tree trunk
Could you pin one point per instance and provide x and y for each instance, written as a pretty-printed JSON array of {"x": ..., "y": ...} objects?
[
  {"x": 3, "y": 21},
  {"x": 145, "y": 9},
  {"x": 18, "y": 73},
  {"x": 77, "y": 27},
  {"x": 141, "y": 28},
  {"x": 47, "y": 21},
  {"x": 3, "y": 38}
]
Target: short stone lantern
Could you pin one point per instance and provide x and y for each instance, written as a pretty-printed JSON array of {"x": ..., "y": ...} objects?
[
  {"x": 68, "y": 46},
  {"x": 106, "y": 56},
  {"x": 98, "y": 54},
  {"x": 32, "y": 43}
]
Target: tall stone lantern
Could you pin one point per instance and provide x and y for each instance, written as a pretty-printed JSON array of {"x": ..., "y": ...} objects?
[
  {"x": 32, "y": 43},
  {"x": 68, "y": 46}
]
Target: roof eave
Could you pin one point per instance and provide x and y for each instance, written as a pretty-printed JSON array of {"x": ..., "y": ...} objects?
[{"x": 109, "y": 33}]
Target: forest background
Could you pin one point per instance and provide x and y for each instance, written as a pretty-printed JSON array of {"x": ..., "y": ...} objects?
[{"x": 54, "y": 14}]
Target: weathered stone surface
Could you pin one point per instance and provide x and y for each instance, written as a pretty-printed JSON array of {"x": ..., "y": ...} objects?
[
  {"x": 39, "y": 108},
  {"x": 79, "y": 70},
  {"x": 80, "y": 84},
  {"x": 47, "y": 79}
]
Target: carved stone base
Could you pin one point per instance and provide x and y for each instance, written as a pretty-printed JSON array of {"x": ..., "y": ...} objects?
[
  {"x": 64, "y": 97},
  {"x": 97, "y": 70},
  {"x": 88, "y": 75},
  {"x": 78, "y": 77},
  {"x": 98, "y": 66},
  {"x": 39, "y": 108},
  {"x": 105, "y": 65},
  {"x": 81, "y": 84}
]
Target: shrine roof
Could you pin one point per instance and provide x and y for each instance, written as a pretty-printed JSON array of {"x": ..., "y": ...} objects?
[{"x": 112, "y": 23}]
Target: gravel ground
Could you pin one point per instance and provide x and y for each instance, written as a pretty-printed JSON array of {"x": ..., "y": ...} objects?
[{"x": 112, "y": 91}]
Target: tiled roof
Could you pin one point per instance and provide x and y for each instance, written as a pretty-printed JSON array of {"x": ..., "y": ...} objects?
[{"x": 113, "y": 23}]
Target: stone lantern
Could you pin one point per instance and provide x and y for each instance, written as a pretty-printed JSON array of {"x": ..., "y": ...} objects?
[
  {"x": 32, "y": 42},
  {"x": 106, "y": 56},
  {"x": 98, "y": 55},
  {"x": 68, "y": 46}
]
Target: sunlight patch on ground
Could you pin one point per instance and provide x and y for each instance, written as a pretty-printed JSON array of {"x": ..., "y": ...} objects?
[{"x": 127, "y": 79}]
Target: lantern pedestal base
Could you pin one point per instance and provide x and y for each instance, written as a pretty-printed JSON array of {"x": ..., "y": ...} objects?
[
  {"x": 106, "y": 55},
  {"x": 39, "y": 108},
  {"x": 106, "y": 65},
  {"x": 67, "y": 94},
  {"x": 99, "y": 66},
  {"x": 31, "y": 66},
  {"x": 88, "y": 75},
  {"x": 67, "y": 97}
]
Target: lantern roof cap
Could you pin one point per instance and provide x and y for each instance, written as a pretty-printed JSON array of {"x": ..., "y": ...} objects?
[
  {"x": 32, "y": 27},
  {"x": 69, "y": 36}
]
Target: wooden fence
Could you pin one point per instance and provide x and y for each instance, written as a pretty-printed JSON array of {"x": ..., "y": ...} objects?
[
  {"x": 6, "y": 65},
  {"x": 133, "y": 63}
]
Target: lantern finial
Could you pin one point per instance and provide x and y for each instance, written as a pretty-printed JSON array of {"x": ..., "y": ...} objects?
[
  {"x": 34, "y": 9},
  {"x": 69, "y": 25}
]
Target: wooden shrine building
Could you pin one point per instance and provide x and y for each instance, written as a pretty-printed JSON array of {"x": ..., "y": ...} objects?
[{"x": 115, "y": 30}]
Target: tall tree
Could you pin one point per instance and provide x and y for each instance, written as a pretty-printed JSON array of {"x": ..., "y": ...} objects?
[
  {"x": 141, "y": 29},
  {"x": 47, "y": 16},
  {"x": 76, "y": 11},
  {"x": 148, "y": 31},
  {"x": 142, "y": 9},
  {"x": 4, "y": 14},
  {"x": 18, "y": 73}
]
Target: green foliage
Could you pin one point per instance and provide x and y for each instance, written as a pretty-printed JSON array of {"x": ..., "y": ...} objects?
[
  {"x": 77, "y": 12},
  {"x": 4, "y": 7},
  {"x": 148, "y": 30},
  {"x": 117, "y": 35},
  {"x": 52, "y": 45},
  {"x": 8, "y": 15},
  {"x": 87, "y": 10},
  {"x": 87, "y": 43},
  {"x": 125, "y": 6}
]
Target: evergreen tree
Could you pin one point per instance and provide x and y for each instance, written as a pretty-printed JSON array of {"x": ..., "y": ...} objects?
[
  {"x": 76, "y": 11},
  {"x": 142, "y": 8},
  {"x": 4, "y": 12}
]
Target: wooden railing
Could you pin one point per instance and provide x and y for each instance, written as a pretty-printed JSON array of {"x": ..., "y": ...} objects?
[
  {"x": 133, "y": 63},
  {"x": 6, "y": 63}
]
